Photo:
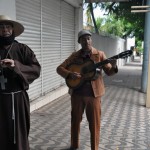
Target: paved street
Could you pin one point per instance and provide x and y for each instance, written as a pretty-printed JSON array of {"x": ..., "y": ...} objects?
[{"x": 125, "y": 122}]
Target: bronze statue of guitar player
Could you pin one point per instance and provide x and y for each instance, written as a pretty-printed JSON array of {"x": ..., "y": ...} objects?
[{"x": 86, "y": 90}]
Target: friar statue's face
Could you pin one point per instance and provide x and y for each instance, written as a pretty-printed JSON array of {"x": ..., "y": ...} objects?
[
  {"x": 6, "y": 29},
  {"x": 6, "y": 34}
]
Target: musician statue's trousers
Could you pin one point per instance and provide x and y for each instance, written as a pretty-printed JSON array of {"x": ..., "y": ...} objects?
[{"x": 92, "y": 107}]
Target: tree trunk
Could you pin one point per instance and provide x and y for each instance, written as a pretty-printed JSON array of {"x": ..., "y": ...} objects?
[{"x": 93, "y": 18}]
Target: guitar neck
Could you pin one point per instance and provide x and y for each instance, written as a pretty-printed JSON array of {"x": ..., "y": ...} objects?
[{"x": 106, "y": 61}]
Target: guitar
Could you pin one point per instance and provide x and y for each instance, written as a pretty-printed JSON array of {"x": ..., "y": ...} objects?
[{"x": 89, "y": 70}]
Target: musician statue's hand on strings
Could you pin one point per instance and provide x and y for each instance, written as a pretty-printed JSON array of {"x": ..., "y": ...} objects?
[
  {"x": 7, "y": 63},
  {"x": 74, "y": 75},
  {"x": 113, "y": 62}
]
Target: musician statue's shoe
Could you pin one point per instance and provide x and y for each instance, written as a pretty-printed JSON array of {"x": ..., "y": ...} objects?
[{"x": 72, "y": 148}]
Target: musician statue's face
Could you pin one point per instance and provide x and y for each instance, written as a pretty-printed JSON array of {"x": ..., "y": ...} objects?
[{"x": 86, "y": 42}]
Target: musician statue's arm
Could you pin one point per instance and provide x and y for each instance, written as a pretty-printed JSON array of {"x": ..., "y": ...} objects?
[
  {"x": 110, "y": 68},
  {"x": 62, "y": 68}
]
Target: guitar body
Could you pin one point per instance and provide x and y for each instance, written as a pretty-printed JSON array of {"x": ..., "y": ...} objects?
[
  {"x": 89, "y": 71},
  {"x": 83, "y": 69}
]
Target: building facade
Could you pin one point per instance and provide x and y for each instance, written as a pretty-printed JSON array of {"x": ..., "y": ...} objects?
[{"x": 51, "y": 28}]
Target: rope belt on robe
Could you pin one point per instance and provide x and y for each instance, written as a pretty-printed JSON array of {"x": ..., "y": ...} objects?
[{"x": 13, "y": 112}]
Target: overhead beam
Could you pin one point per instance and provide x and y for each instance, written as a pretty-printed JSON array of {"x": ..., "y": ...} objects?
[
  {"x": 136, "y": 7},
  {"x": 139, "y": 11}
]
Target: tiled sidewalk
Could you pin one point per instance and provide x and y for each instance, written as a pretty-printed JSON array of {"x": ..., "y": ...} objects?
[{"x": 125, "y": 122}]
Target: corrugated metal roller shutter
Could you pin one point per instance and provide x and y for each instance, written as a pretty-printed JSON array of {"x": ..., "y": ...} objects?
[
  {"x": 68, "y": 32},
  {"x": 68, "y": 29},
  {"x": 28, "y": 13},
  {"x": 58, "y": 20},
  {"x": 51, "y": 41},
  {"x": 49, "y": 31}
]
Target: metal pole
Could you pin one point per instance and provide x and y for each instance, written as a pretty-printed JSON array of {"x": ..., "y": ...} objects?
[
  {"x": 148, "y": 87},
  {"x": 148, "y": 84},
  {"x": 144, "y": 79}
]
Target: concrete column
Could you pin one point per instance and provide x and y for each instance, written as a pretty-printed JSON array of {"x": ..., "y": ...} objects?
[
  {"x": 78, "y": 24},
  {"x": 146, "y": 81},
  {"x": 146, "y": 51}
]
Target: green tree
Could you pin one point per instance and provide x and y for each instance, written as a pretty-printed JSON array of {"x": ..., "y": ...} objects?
[
  {"x": 132, "y": 24},
  {"x": 112, "y": 26},
  {"x": 90, "y": 13},
  {"x": 100, "y": 22}
]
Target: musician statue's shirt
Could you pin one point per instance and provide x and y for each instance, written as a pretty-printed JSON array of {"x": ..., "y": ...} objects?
[{"x": 86, "y": 88}]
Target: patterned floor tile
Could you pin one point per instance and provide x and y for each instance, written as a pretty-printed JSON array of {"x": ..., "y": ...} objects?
[{"x": 125, "y": 122}]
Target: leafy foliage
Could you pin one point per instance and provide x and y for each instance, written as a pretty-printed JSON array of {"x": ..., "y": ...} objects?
[
  {"x": 134, "y": 22},
  {"x": 120, "y": 21}
]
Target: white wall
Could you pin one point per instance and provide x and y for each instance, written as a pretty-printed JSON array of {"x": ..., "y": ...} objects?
[
  {"x": 110, "y": 45},
  {"x": 8, "y": 7},
  {"x": 130, "y": 42},
  {"x": 75, "y": 3}
]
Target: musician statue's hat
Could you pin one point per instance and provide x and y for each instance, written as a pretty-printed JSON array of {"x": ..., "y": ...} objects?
[
  {"x": 83, "y": 32},
  {"x": 17, "y": 27}
]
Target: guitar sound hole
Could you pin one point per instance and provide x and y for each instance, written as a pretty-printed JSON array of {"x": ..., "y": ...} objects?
[{"x": 85, "y": 70}]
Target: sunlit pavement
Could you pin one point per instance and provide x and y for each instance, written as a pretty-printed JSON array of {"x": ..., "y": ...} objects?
[{"x": 125, "y": 122}]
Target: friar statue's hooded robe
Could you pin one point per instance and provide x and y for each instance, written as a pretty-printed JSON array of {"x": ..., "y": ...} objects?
[{"x": 14, "y": 100}]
